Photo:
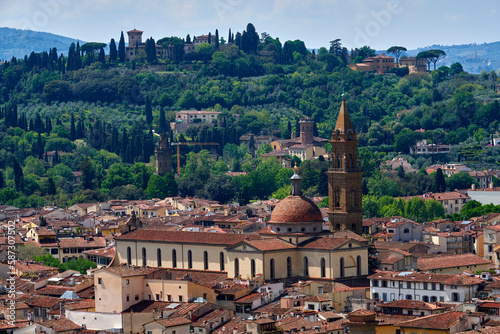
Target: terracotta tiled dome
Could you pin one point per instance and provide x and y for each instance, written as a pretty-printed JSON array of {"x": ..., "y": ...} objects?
[{"x": 296, "y": 209}]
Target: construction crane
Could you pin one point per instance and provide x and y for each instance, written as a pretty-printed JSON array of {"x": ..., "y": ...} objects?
[{"x": 187, "y": 144}]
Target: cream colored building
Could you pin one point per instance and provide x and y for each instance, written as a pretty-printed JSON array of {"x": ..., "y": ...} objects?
[
  {"x": 118, "y": 288},
  {"x": 293, "y": 245}
]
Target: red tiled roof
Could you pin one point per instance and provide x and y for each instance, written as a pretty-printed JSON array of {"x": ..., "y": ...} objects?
[
  {"x": 187, "y": 237},
  {"x": 449, "y": 279},
  {"x": 441, "y": 321},
  {"x": 296, "y": 209},
  {"x": 411, "y": 304},
  {"x": 459, "y": 260},
  {"x": 249, "y": 298},
  {"x": 270, "y": 244},
  {"x": 60, "y": 325},
  {"x": 172, "y": 322}
]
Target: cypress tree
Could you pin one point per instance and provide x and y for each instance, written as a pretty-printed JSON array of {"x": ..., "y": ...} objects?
[
  {"x": 289, "y": 127},
  {"x": 113, "y": 52},
  {"x": 439, "y": 182},
  {"x": 121, "y": 48},
  {"x": 102, "y": 56},
  {"x": 210, "y": 38},
  {"x": 123, "y": 150},
  {"x": 162, "y": 124},
  {"x": 229, "y": 39},
  {"x": 2, "y": 180},
  {"x": 297, "y": 128},
  {"x": 51, "y": 189},
  {"x": 148, "y": 111},
  {"x": 18, "y": 176},
  {"x": 73, "y": 129},
  {"x": 114, "y": 141},
  {"x": 216, "y": 38},
  {"x": 39, "y": 147},
  {"x": 188, "y": 39}
]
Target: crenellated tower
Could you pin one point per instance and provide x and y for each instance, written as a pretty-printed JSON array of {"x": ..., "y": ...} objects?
[{"x": 345, "y": 177}]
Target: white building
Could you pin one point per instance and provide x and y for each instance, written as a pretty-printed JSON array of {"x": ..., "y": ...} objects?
[{"x": 390, "y": 286}]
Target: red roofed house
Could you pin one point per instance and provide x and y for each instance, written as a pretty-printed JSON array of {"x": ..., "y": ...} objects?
[
  {"x": 391, "y": 286},
  {"x": 453, "y": 264},
  {"x": 444, "y": 323}
]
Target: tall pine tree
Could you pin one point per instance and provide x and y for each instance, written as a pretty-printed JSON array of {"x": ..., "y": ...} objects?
[
  {"x": 121, "y": 48},
  {"x": 113, "y": 52},
  {"x": 148, "y": 111}
]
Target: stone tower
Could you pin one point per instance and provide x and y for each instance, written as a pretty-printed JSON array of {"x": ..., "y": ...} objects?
[
  {"x": 344, "y": 177},
  {"x": 306, "y": 131},
  {"x": 163, "y": 156},
  {"x": 134, "y": 38}
]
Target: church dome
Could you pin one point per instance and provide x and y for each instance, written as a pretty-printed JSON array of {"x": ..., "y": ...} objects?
[{"x": 296, "y": 209}]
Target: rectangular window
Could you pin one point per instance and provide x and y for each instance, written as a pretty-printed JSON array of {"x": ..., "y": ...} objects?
[
  {"x": 180, "y": 299},
  {"x": 441, "y": 286},
  {"x": 425, "y": 285},
  {"x": 99, "y": 280},
  {"x": 128, "y": 298},
  {"x": 408, "y": 285},
  {"x": 157, "y": 296},
  {"x": 127, "y": 281},
  {"x": 136, "y": 297},
  {"x": 433, "y": 286}
]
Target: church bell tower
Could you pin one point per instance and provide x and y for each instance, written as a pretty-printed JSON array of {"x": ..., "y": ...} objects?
[
  {"x": 344, "y": 177},
  {"x": 163, "y": 156}
]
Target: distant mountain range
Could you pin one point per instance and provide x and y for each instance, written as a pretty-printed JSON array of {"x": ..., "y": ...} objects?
[
  {"x": 17, "y": 42},
  {"x": 473, "y": 57}
]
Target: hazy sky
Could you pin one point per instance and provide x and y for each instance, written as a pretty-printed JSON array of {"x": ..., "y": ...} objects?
[{"x": 377, "y": 23}]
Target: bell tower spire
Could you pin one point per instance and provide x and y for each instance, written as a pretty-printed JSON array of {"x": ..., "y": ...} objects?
[{"x": 345, "y": 177}]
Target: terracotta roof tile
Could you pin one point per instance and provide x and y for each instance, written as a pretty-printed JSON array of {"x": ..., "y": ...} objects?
[
  {"x": 460, "y": 260},
  {"x": 60, "y": 325},
  {"x": 441, "y": 321},
  {"x": 296, "y": 209},
  {"x": 173, "y": 322},
  {"x": 187, "y": 237}
]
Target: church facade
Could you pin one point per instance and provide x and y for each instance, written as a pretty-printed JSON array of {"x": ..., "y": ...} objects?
[{"x": 292, "y": 246}]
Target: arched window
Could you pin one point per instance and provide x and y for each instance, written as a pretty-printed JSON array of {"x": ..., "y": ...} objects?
[
  {"x": 271, "y": 266},
  {"x": 455, "y": 297},
  {"x": 337, "y": 227},
  {"x": 323, "y": 267},
  {"x": 353, "y": 227},
  {"x": 205, "y": 260},
  {"x": 434, "y": 299},
  {"x": 289, "y": 266},
  {"x": 337, "y": 197},
  {"x": 143, "y": 256},
  {"x": 129, "y": 256},
  {"x": 358, "y": 265},
  {"x": 236, "y": 268},
  {"x": 306, "y": 266},
  {"x": 353, "y": 198},
  {"x": 190, "y": 259},
  {"x": 174, "y": 258},
  {"x": 425, "y": 299},
  {"x": 158, "y": 257},
  {"x": 408, "y": 297},
  {"x": 252, "y": 268},
  {"x": 342, "y": 268},
  {"x": 349, "y": 161},
  {"x": 221, "y": 260},
  {"x": 339, "y": 161}
]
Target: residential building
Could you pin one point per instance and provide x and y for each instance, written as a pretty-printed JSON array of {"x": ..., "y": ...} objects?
[
  {"x": 391, "y": 286},
  {"x": 257, "y": 140},
  {"x": 404, "y": 230},
  {"x": 452, "y": 201},
  {"x": 414, "y": 65},
  {"x": 453, "y": 264},
  {"x": 188, "y": 118},
  {"x": 422, "y": 147},
  {"x": 451, "y": 242},
  {"x": 491, "y": 240},
  {"x": 484, "y": 178},
  {"x": 444, "y": 323},
  {"x": 378, "y": 63}
]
